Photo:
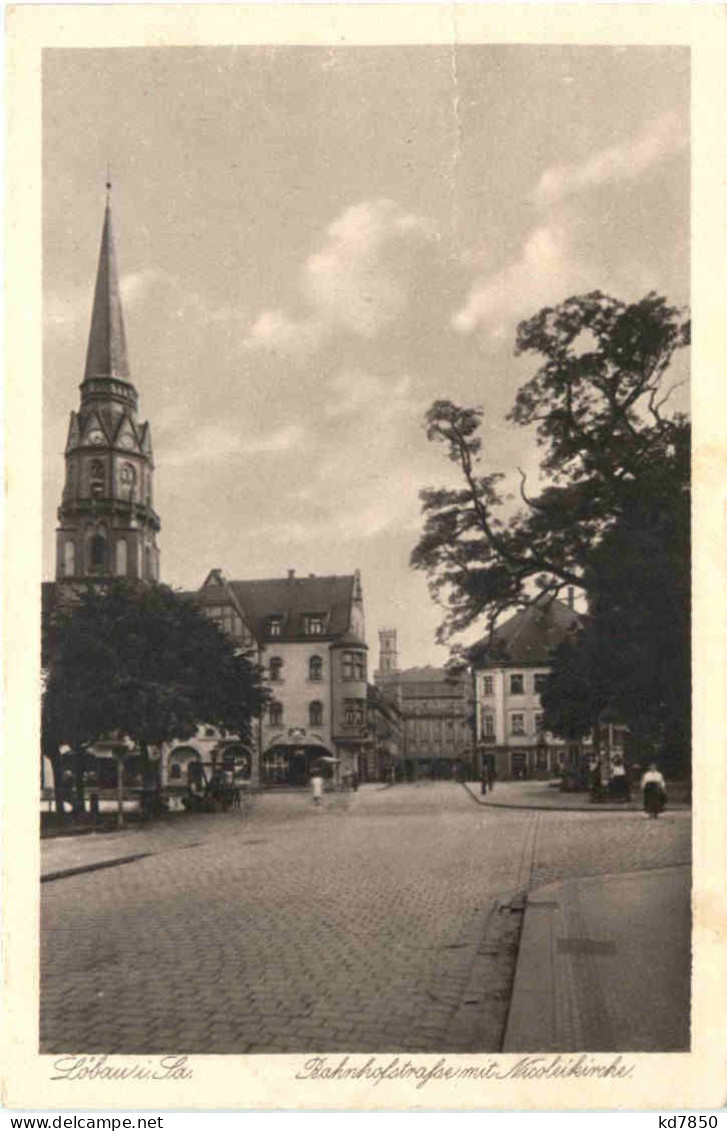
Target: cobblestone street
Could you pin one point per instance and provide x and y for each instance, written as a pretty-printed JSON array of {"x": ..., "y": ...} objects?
[{"x": 353, "y": 927}]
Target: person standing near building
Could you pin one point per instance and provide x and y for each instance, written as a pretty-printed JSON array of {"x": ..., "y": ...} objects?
[
  {"x": 653, "y": 788},
  {"x": 619, "y": 779}
]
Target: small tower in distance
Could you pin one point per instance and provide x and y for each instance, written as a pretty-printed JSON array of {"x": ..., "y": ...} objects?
[
  {"x": 107, "y": 524},
  {"x": 388, "y": 652}
]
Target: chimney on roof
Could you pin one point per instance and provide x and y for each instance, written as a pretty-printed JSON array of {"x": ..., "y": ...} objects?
[
  {"x": 571, "y": 597},
  {"x": 291, "y": 574}
]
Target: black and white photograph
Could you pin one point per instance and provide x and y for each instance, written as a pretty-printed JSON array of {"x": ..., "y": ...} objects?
[{"x": 364, "y": 635}]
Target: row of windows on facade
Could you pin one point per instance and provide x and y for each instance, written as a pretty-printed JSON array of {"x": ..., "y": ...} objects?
[
  {"x": 353, "y": 667},
  {"x": 517, "y": 724},
  {"x": 422, "y": 727},
  {"x": 314, "y": 624},
  {"x": 517, "y": 683},
  {"x": 97, "y": 557},
  {"x": 354, "y": 711},
  {"x": 97, "y": 480}
]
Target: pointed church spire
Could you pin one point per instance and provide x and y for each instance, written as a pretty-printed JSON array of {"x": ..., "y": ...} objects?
[{"x": 106, "y": 355}]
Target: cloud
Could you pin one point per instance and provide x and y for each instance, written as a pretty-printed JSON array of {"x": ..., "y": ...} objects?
[
  {"x": 355, "y": 393},
  {"x": 627, "y": 161},
  {"x": 274, "y": 331},
  {"x": 283, "y": 439},
  {"x": 357, "y": 282},
  {"x": 545, "y": 271},
  {"x": 216, "y": 443},
  {"x": 353, "y": 281}
]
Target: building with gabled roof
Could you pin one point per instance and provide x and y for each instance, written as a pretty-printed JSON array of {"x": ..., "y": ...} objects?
[
  {"x": 308, "y": 634},
  {"x": 511, "y": 666}
]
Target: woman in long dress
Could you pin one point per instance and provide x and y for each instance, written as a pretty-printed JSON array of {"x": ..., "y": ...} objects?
[
  {"x": 316, "y": 782},
  {"x": 653, "y": 788}
]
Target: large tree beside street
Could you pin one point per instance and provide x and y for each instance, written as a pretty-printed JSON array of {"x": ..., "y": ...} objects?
[
  {"x": 610, "y": 515},
  {"x": 143, "y": 662}
]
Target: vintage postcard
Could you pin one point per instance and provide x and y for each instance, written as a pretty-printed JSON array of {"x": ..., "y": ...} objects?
[{"x": 364, "y": 580}]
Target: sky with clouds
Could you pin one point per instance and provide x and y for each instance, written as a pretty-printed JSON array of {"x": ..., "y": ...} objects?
[{"x": 315, "y": 244}]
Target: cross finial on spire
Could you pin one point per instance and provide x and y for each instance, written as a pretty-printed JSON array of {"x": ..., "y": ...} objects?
[{"x": 108, "y": 183}]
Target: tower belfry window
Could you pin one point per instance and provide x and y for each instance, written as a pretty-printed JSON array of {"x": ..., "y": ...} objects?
[
  {"x": 97, "y": 478},
  {"x": 122, "y": 558},
  {"x": 98, "y": 550},
  {"x": 69, "y": 558}
]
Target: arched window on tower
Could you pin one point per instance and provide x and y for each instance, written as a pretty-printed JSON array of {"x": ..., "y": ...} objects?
[
  {"x": 122, "y": 558},
  {"x": 97, "y": 479},
  {"x": 148, "y": 566},
  {"x": 69, "y": 558},
  {"x": 127, "y": 480},
  {"x": 98, "y": 553}
]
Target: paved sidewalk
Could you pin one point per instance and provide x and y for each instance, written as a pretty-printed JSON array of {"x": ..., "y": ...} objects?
[
  {"x": 546, "y": 795},
  {"x": 604, "y": 965}
]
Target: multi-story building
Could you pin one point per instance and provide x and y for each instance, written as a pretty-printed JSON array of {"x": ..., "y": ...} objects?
[
  {"x": 437, "y": 711},
  {"x": 308, "y": 635},
  {"x": 385, "y": 757},
  {"x": 510, "y": 668}
]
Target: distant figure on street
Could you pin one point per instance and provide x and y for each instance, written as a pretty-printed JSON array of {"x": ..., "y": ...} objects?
[
  {"x": 483, "y": 783},
  {"x": 316, "y": 782},
  {"x": 653, "y": 788},
  {"x": 619, "y": 780},
  {"x": 490, "y": 771},
  {"x": 595, "y": 781}
]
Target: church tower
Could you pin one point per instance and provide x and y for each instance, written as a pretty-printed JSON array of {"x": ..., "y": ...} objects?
[
  {"x": 107, "y": 525},
  {"x": 388, "y": 652}
]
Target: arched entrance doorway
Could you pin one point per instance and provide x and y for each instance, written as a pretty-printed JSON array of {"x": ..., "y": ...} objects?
[
  {"x": 184, "y": 766},
  {"x": 236, "y": 760},
  {"x": 289, "y": 759}
]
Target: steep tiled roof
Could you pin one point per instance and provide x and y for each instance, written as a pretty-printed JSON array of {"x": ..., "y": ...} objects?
[
  {"x": 294, "y": 598},
  {"x": 529, "y": 636}
]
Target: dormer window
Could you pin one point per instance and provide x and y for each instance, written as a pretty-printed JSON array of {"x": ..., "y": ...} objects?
[
  {"x": 274, "y": 625},
  {"x": 314, "y": 625}
]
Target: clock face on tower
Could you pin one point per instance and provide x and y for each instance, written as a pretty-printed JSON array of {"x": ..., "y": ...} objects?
[
  {"x": 126, "y": 441},
  {"x": 96, "y": 437}
]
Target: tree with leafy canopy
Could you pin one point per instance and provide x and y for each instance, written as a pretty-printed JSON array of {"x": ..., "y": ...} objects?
[
  {"x": 144, "y": 662},
  {"x": 613, "y": 516}
]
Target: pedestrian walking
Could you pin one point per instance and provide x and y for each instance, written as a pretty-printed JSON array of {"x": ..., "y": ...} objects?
[
  {"x": 490, "y": 771},
  {"x": 653, "y": 788},
  {"x": 316, "y": 782}
]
